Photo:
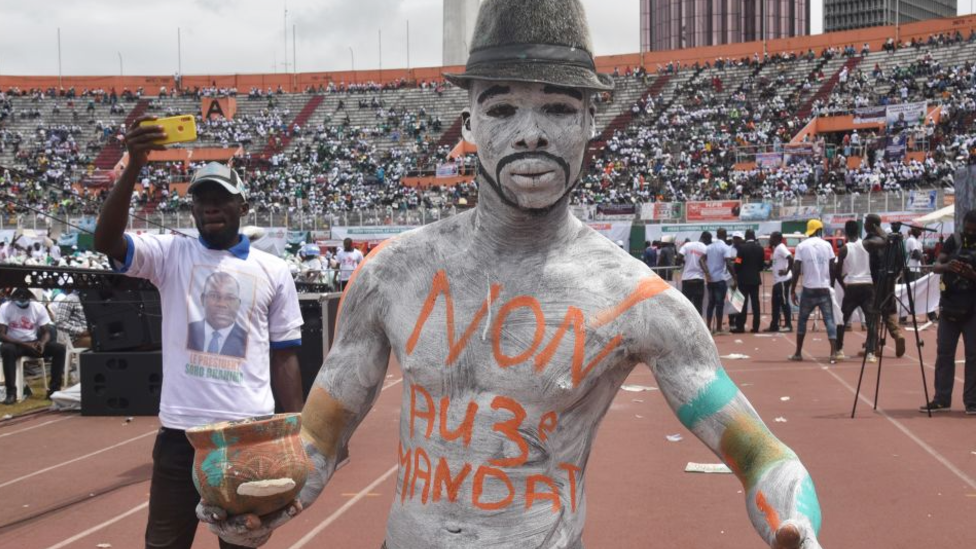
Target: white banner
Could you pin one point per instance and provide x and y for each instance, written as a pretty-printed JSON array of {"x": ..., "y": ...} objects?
[
  {"x": 369, "y": 234},
  {"x": 616, "y": 231},
  {"x": 922, "y": 201},
  {"x": 912, "y": 114},
  {"x": 926, "y": 292},
  {"x": 693, "y": 231}
]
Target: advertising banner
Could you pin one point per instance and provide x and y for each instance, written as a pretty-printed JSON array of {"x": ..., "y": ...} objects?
[
  {"x": 617, "y": 209},
  {"x": 369, "y": 234},
  {"x": 911, "y": 114},
  {"x": 447, "y": 170},
  {"x": 693, "y": 231},
  {"x": 661, "y": 211},
  {"x": 922, "y": 201},
  {"x": 799, "y": 213},
  {"x": 756, "y": 212},
  {"x": 713, "y": 211},
  {"x": 870, "y": 115},
  {"x": 769, "y": 160}
]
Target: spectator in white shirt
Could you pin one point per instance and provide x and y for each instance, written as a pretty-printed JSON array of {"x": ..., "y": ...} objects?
[
  {"x": 231, "y": 326},
  {"x": 692, "y": 275},
  {"x": 782, "y": 275},
  {"x": 348, "y": 258},
  {"x": 815, "y": 263},
  {"x": 25, "y": 330}
]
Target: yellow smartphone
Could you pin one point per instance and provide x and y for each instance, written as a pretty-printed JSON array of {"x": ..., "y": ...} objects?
[{"x": 179, "y": 129}]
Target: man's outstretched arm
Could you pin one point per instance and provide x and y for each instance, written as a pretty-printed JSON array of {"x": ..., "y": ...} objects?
[
  {"x": 345, "y": 390},
  {"x": 780, "y": 496}
]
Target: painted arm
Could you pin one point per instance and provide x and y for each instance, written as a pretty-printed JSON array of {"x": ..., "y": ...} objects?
[
  {"x": 780, "y": 497},
  {"x": 703, "y": 263},
  {"x": 345, "y": 390},
  {"x": 839, "y": 268}
]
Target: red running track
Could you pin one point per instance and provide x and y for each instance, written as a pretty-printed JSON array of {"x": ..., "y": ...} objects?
[{"x": 889, "y": 479}]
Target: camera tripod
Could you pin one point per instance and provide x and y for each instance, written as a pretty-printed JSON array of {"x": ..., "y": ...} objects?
[{"x": 894, "y": 265}]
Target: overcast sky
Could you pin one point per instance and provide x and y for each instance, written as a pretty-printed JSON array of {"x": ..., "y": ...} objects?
[{"x": 246, "y": 36}]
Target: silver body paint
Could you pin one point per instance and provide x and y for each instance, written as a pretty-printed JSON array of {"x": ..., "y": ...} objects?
[{"x": 537, "y": 253}]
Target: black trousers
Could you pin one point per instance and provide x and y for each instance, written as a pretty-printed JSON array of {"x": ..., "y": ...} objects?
[
  {"x": 945, "y": 363},
  {"x": 11, "y": 353},
  {"x": 173, "y": 498},
  {"x": 751, "y": 293},
  {"x": 858, "y": 296},
  {"x": 694, "y": 290},
  {"x": 781, "y": 305}
]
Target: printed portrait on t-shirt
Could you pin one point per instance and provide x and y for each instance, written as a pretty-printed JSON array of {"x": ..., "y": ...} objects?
[{"x": 219, "y": 311}]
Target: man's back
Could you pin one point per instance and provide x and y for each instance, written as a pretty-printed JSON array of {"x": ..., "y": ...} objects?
[
  {"x": 750, "y": 263},
  {"x": 815, "y": 254},
  {"x": 716, "y": 255}
]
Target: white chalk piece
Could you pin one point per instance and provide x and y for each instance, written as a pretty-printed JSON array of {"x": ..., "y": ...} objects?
[
  {"x": 103, "y": 545},
  {"x": 781, "y": 420},
  {"x": 785, "y": 399},
  {"x": 674, "y": 438},
  {"x": 736, "y": 356},
  {"x": 265, "y": 488},
  {"x": 639, "y": 417},
  {"x": 637, "y": 400},
  {"x": 637, "y": 388},
  {"x": 739, "y": 341},
  {"x": 708, "y": 468}
]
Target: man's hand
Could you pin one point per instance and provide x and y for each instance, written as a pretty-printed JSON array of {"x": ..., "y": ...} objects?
[
  {"x": 246, "y": 530},
  {"x": 792, "y": 535},
  {"x": 964, "y": 270},
  {"x": 783, "y": 272},
  {"x": 140, "y": 141},
  {"x": 794, "y": 299}
]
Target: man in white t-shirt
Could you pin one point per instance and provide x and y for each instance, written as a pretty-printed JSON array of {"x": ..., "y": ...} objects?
[
  {"x": 231, "y": 326},
  {"x": 719, "y": 270},
  {"x": 782, "y": 275},
  {"x": 815, "y": 263},
  {"x": 25, "y": 331},
  {"x": 692, "y": 275},
  {"x": 348, "y": 258},
  {"x": 915, "y": 252}
]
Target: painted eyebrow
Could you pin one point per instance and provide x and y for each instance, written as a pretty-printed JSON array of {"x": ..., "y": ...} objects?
[
  {"x": 492, "y": 92},
  {"x": 556, "y": 90}
]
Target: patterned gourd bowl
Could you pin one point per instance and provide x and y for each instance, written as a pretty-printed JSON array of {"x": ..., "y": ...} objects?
[{"x": 255, "y": 465}]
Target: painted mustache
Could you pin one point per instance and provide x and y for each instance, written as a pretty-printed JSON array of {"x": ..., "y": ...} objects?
[{"x": 537, "y": 155}]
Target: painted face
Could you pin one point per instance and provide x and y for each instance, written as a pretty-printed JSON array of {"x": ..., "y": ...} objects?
[
  {"x": 221, "y": 301},
  {"x": 531, "y": 139}
]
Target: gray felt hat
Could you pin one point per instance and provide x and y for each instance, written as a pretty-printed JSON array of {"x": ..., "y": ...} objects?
[{"x": 536, "y": 41}]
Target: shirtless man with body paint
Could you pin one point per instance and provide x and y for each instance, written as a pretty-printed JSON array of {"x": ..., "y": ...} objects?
[{"x": 511, "y": 352}]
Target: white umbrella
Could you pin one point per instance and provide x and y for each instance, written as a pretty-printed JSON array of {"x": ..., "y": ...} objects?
[{"x": 940, "y": 216}]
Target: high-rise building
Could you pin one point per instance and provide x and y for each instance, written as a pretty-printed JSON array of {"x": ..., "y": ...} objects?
[
  {"x": 459, "y": 19},
  {"x": 678, "y": 24},
  {"x": 857, "y": 14}
]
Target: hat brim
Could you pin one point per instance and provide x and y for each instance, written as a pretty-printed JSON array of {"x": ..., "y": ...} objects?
[
  {"x": 554, "y": 74},
  {"x": 227, "y": 186}
]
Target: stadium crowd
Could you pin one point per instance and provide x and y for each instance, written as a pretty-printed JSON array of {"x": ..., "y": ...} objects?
[{"x": 682, "y": 145}]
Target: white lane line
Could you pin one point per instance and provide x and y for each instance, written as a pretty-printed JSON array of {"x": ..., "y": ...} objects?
[
  {"x": 98, "y": 527},
  {"x": 70, "y": 461},
  {"x": 922, "y": 444},
  {"x": 53, "y": 421},
  {"x": 342, "y": 510},
  {"x": 321, "y": 527},
  {"x": 915, "y": 359},
  {"x": 348, "y": 505}
]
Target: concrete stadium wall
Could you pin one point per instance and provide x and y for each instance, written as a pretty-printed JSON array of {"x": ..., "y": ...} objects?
[{"x": 875, "y": 36}]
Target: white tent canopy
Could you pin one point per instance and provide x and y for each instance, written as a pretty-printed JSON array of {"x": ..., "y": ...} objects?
[{"x": 940, "y": 216}]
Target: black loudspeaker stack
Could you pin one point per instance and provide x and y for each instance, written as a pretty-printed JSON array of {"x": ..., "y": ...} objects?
[
  {"x": 318, "y": 330},
  {"x": 123, "y": 320},
  {"x": 121, "y": 384}
]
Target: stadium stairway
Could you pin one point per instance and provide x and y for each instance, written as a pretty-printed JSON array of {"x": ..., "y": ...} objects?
[
  {"x": 452, "y": 136},
  {"x": 624, "y": 119},
  {"x": 113, "y": 150},
  {"x": 828, "y": 87},
  {"x": 301, "y": 120}
]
